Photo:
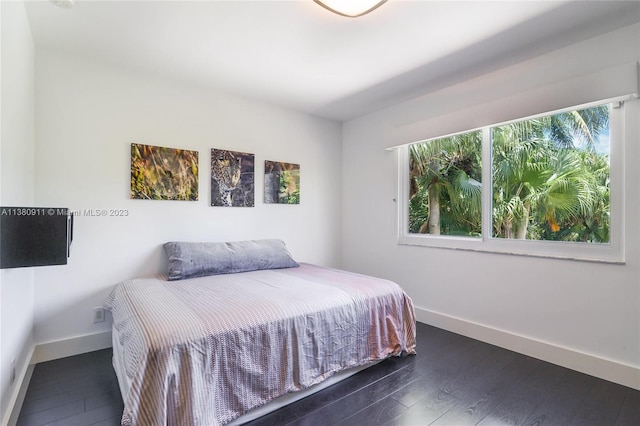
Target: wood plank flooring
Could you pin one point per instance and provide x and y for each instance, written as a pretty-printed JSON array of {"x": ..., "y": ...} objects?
[{"x": 453, "y": 381}]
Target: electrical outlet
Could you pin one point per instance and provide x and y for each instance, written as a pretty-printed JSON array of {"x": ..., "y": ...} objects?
[
  {"x": 98, "y": 315},
  {"x": 13, "y": 371}
]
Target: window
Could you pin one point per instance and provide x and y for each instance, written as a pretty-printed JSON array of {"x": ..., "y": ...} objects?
[
  {"x": 541, "y": 186},
  {"x": 445, "y": 189},
  {"x": 551, "y": 177}
]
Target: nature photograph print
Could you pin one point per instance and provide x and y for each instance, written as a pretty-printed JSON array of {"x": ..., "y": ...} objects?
[
  {"x": 159, "y": 173},
  {"x": 232, "y": 178},
  {"x": 281, "y": 183}
]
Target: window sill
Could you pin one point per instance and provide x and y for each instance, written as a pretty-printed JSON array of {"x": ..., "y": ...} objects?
[{"x": 598, "y": 253}]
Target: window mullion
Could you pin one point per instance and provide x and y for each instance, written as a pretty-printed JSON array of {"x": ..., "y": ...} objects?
[
  {"x": 486, "y": 184},
  {"x": 402, "y": 199}
]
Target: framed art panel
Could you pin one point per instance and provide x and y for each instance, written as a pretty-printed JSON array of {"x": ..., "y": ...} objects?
[
  {"x": 159, "y": 173},
  {"x": 281, "y": 183},
  {"x": 232, "y": 178}
]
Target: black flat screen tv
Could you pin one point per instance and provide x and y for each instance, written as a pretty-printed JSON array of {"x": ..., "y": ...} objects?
[{"x": 34, "y": 236}]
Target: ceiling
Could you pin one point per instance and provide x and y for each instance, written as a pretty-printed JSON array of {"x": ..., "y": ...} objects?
[{"x": 298, "y": 55}]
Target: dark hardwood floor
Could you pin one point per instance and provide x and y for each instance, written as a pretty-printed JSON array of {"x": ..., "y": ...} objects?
[{"x": 452, "y": 381}]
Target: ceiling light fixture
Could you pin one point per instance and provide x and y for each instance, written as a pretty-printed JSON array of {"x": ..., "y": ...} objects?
[{"x": 350, "y": 8}]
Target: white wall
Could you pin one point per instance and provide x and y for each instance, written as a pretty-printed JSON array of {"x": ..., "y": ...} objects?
[
  {"x": 549, "y": 305},
  {"x": 17, "y": 182},
  {"x": 88, "y": 114}
]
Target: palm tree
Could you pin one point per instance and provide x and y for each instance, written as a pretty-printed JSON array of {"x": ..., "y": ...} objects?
[
  {"x": 581, "y": 127},
  {"x": 549, "y": 182},
  {"x": 445, "y": 188},
  {"x": 590, "y": 222},
  {"x": 538, "y": 168},
  {"x": 520, "y": 171}
]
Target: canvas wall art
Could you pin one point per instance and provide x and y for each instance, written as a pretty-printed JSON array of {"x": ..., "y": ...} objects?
[
  {"x": 232, "y": 178},
  {"x": 281, "y": 183},
  {"x": 159, "y": 173}
]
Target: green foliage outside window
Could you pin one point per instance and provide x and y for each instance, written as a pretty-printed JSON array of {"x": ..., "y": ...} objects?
[
  {"x": 550, "y": 180},
  {"x": 445, "y": 188}
]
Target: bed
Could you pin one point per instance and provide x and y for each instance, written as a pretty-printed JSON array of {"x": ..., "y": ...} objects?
[{"x": 206, "y": 349}]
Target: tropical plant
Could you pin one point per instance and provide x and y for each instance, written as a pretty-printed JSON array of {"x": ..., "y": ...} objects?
[
  {"x": 549, "y": 181},
  {"x": 445, "y": 188},
  {"x": 547, "y": 178}
]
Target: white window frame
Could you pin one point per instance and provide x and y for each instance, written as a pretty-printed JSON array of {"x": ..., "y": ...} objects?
[{"x": 612, "y": 252}]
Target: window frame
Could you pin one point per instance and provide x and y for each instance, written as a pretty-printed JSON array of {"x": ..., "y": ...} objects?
[{"x": 611, "y": 252}]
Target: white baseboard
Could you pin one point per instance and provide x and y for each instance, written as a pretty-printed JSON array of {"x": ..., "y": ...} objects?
[
  {"x": 15, "y": 402},
  {"x": 603, "y": 368},
  {"x": 71, "y": 346}
]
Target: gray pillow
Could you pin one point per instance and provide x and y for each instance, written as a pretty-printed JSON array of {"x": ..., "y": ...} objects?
[{"x": 189, "y": 260}]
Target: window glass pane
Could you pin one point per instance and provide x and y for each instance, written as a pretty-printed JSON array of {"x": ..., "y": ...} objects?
[
  {"x": 445, "y": 186},
  {"x": 551, "y": 177}
]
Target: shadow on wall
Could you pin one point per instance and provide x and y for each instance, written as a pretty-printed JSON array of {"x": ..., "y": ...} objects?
[{"x": 156, "y": 263}]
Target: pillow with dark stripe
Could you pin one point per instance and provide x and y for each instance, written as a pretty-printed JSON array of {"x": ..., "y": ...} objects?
[{"x": 190, "y": 260}]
